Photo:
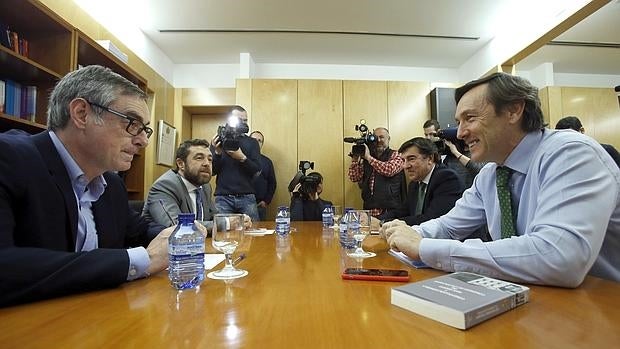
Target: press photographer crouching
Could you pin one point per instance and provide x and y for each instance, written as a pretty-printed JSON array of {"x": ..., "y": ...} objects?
[
  {"x": 306, "y": 205},
  {"x": 236, "y": 160}
]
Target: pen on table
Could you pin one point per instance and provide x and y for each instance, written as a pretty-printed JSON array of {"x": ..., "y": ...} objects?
[
  {"x": 239, "y": 259},
  {"x": 161, "y": 202}
]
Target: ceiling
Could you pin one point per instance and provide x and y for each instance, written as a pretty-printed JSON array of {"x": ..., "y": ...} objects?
[{"x": 410, "y": 33}]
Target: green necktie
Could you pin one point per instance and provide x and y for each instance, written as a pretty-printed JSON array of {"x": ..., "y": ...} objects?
[
  {"x": 420, "y": 202},
  {"x": 505, "y": 205}
]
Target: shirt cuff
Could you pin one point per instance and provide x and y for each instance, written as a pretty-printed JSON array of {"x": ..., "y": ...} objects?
[
  {"x": 139, "y": 262},
  {"x": 436, "y": 253}
]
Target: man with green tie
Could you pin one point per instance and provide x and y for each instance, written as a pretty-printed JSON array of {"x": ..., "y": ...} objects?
[
  {"x": 551, "y": 199},
  {"x": 433, "y": 187}
]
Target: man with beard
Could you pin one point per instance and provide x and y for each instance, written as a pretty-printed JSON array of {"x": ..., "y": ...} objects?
[
  {"x": 379, "y": 174},
  {"x": 186, "y": 190}
]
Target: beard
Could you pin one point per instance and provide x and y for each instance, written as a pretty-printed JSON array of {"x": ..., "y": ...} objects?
[{"x": 196, "y": 178}]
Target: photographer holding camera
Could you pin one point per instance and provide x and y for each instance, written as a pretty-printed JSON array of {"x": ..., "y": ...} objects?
[
  {"x": 236, "y": 160},
  {"x": 453, "y": 157},
  {"x": 306, "y": 205},
  {"x": 379, "y": 174}
]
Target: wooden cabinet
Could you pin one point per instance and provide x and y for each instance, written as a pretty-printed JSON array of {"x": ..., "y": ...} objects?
[
  {"x": 54, "y": 48},
  {"x": 49, "y": 57}
]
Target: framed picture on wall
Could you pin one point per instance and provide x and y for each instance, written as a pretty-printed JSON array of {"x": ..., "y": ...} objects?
[{"x": 166, "y": 138}]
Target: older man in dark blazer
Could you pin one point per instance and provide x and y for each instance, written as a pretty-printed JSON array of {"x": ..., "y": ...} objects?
[
  {"x": 434, "y": 188},
  {"x": 65, "y": 223}
]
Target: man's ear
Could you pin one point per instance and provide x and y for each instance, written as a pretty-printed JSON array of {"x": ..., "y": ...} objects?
[
  {"x": 78, "y": 113},
  {"x": 180, "y": 164},
  {"x": 515, "y": 111}
]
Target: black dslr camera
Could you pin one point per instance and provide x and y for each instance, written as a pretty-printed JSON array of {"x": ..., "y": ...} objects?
[
  {"x": 230, "y": 133},
  {"x": 309, "y": 184},
  {"x": 366, "y": 137},
  {"x": 450, "y": 135}
]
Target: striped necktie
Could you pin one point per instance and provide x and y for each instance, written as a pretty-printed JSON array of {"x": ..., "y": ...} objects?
[
  {"x": 199, "y": 203},
  {"x": 505, "y": 203}
]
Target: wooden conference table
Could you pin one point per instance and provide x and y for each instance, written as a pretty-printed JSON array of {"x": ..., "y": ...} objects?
[{"x": 294, "y": 297}]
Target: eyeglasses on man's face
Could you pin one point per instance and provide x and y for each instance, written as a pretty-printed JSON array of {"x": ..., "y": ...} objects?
[{"x": 134, "y": 127}]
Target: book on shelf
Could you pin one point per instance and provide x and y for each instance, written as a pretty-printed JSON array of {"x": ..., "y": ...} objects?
[
  {"x": 460, "y": 299},
  {"x": 2, "y": 96},
  {"x": 407, "y": 260},
  {"x": 5, "y": 39}
]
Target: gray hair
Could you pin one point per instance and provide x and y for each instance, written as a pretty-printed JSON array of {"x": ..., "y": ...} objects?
[{"x": 94, "y": 83}]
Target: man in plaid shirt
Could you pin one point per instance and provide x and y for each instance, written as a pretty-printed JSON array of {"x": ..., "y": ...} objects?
[{"x": 379, "y": 174}]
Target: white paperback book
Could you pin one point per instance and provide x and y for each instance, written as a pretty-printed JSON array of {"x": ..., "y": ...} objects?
[{"x": 460, "y": 299}]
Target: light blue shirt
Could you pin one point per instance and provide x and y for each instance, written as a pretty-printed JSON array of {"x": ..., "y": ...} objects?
[
  {"x": 85, "y": 194},
  {"x": 566, "y": 190}
]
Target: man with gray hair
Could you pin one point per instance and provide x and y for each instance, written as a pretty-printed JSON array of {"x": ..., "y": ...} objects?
[
  {"x": 551, "y": 199},
  {"x": 65, "y": 222}
]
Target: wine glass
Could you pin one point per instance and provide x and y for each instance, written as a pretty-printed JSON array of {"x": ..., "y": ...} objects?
[
  {"x": 361, "y": 228},
  {"x": 227, "y": 235}
]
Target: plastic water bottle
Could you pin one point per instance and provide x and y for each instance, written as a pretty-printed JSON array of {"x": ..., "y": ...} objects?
[
  {"x": 186, "y": 254},
  {"x": 353, "y": 228},
  {"x": 283, "y": 221},
  {"x": 346, "y": 240},
  {"x": 328, "y": 217}
]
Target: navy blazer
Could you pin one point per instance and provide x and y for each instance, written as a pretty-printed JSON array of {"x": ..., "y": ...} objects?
[
  {"x": 443, "y": 190},
  {"x": 38, "y": 226}
]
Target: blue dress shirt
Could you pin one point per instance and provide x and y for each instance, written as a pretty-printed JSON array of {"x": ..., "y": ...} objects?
[
  {"x": 566, "y": 191},
  {"x": 85, "y": 194}
]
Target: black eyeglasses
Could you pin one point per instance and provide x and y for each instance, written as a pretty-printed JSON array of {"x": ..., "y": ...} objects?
[{"x": 135, "y": 126}]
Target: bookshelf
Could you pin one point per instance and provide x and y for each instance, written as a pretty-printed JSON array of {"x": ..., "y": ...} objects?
[{"x": 55, "y": 48}]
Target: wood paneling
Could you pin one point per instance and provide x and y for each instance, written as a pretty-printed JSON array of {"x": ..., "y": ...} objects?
[
  {"x": 597, "y": 108},
  {"x": 208, "y": 96},
  {"x": 274, "y": 113},
  {"x": 320, "y": 132},
  {"x": 205, "y": 126},
  {"x": 243, "y": 97},
  {"x": 362, "y": 100},
  {"x": 408, "y": 109}
]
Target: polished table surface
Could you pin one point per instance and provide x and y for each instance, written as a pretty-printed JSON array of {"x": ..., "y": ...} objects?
[{"x": 294, "y": 297}]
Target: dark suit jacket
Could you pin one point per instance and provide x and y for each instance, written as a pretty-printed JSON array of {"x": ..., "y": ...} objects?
[
  {"x": 613, "y": 152},
  {"x": 307, "y": 210},
  {"x": 444, "y": 188},
  {"x": 38, "y": 226}
]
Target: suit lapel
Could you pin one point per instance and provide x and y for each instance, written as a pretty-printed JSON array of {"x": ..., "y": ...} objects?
[
  {"x": 185, "y": 205},
  {"x": 57, "y": 170}
]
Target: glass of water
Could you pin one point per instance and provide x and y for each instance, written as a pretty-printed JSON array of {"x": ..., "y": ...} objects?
[
  {"x": 359, "y": 223},
  {"x": 337, "y": 211},
  {"x": 227, "y": 235}
]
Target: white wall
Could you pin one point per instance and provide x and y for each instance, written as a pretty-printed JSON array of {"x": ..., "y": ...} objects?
[{"x": 586, "y": 80}]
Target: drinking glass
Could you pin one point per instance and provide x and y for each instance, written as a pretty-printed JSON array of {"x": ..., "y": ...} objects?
[
  {"x": 361, "y": 228},
  {"x": 227, "y": 235},
  {"x": 337, "y": 210}
]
